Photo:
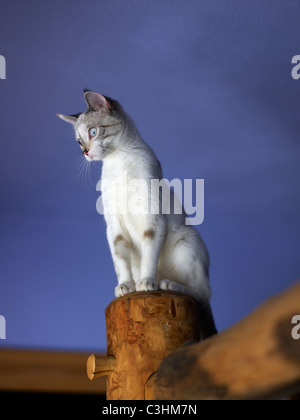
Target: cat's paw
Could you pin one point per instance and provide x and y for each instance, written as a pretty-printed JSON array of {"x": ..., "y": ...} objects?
[
  {"x": 125, "y": 288},
  {"x": 146, "y": 285},
  {"x": 171, "y": 285}
]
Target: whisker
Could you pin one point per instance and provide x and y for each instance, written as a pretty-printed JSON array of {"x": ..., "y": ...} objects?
[
  {"x": 87, "y": 173},
  {"x": 81, "y": 168},
  {"x": 84, "y": 172}
]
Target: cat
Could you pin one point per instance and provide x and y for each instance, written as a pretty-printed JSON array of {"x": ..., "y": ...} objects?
[{"x": 149, "y": 251}]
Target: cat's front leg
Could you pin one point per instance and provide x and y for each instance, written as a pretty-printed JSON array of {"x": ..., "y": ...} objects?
[
  {"x": 151, "y": 247},
  {"x": 120, "y": 251}
]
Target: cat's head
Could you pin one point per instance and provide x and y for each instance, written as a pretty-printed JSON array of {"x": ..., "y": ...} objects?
[{"x": 98, "y": 129}]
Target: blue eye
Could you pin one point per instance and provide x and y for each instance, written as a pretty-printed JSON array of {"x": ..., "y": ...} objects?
[{"x": 93, "y": 132}]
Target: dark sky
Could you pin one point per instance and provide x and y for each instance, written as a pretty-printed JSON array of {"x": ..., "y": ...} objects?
[{"x": 208, "y": 83}]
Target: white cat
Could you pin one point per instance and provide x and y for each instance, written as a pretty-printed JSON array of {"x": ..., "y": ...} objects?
[{"x": 149, "y": 251}]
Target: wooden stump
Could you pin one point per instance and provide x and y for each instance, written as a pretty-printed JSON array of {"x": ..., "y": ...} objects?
[{"x": 142, "y": 329}]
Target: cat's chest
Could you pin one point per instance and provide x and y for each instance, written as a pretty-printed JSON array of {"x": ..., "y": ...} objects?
[{"x": 119, "y": 183}]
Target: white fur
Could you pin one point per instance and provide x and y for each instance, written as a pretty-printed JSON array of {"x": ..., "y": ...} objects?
[{"x": 176, "y": 252}]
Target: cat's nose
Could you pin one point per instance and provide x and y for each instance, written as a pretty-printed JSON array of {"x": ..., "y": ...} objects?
[{"x": 86, "y": 152}]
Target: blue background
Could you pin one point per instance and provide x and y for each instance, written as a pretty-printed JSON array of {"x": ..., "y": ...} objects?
[{"x": 208, "y": 83}]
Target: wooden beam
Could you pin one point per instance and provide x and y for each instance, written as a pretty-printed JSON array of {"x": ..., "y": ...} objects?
[
  {"x": 46, "y": 371},
  {"x": 255, "y": 359}
]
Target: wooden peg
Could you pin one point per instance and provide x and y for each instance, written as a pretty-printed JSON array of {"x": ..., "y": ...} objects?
[{"x": 97, "y": 366}]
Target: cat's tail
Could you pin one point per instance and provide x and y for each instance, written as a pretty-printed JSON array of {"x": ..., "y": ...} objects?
[{"x": 207, "y": 322}]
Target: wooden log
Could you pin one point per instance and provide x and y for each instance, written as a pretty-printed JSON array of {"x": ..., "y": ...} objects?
[
  {"x": 142, "y": 329},
  {"x": 255, "y": 359}
]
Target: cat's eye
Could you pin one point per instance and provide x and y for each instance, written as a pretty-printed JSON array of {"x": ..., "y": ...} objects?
[
  {"x": 79, "y": 142},
  {"x": 93, "y": 132}
]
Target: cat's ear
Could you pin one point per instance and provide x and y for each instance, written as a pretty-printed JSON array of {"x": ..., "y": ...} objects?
[
  {"x": 95, "y": 101},
  {"x": 69, "y": 118}
]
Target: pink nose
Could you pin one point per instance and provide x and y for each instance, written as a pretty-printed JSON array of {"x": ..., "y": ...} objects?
[{"x": 86, "y": 152}]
